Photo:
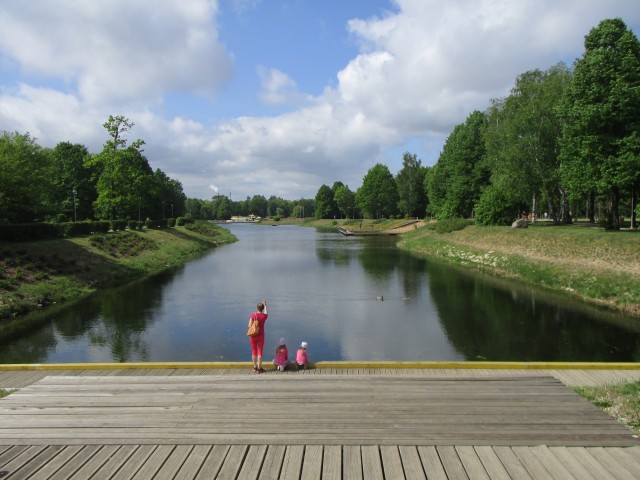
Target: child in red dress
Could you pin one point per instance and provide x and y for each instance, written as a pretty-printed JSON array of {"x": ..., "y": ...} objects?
[
  {"x": 301, "y": 356},
  {"x": 282, "y": 356}
]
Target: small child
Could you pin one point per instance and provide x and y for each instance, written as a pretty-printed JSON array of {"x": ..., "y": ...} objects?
[
  {"x": 282, "y": 356},
  {"x": 301, "y": 356}
]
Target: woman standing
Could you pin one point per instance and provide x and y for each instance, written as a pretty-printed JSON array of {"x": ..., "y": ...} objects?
[{"x": 257, "y": 341}]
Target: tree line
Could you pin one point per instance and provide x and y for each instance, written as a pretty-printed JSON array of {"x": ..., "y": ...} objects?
[
  {"x": 67, "y": 183},
  {"x": 563, "y": 143}
]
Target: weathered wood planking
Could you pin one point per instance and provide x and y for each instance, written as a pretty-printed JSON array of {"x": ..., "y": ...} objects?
[
  {"x": 374, "y": 410},
  {"x": 301, "y": 462}
]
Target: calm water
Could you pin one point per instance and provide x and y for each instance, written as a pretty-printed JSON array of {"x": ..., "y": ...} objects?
[{"x": 321, "y": 288}]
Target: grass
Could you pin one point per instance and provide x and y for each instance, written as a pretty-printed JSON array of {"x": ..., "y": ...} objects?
[
  {"x": 583, "y": 262},
  {"x": 621, "y": 401},
  {"x": 38, "y": 275},
  {"x": 4, "y": 393}
]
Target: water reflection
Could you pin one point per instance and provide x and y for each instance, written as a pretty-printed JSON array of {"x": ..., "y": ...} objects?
[{"x": 322, "y": 288}]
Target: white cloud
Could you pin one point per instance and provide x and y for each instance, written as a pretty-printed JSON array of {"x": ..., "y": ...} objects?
[{"x": 421, "y": 70}]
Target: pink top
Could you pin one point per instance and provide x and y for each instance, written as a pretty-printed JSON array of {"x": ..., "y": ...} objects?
[
  {"x": 261, "y": 317},
  {"x": 282, "y": 356},
  {"x": 301, "y": 356}
]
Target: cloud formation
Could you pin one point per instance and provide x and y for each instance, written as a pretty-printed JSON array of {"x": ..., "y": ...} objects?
[{"x": 423, "y": 66}]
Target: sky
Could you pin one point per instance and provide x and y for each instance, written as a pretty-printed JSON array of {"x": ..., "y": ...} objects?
[{"x": 276, "y": 97}]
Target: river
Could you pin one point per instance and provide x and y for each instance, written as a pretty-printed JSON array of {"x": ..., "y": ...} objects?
[{"x": 350, "y": 298}]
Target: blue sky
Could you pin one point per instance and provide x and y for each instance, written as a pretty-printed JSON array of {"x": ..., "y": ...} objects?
[{"x": 269, "y": 97}]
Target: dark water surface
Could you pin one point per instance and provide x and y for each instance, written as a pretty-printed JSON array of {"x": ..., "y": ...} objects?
[{"x": 321, "y": 288}]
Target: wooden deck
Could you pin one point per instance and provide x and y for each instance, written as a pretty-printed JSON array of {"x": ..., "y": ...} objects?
[{"x": 187, "y": 424}]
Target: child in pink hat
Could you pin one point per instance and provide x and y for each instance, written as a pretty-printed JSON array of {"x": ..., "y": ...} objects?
[{"x": 301, "y": 356}]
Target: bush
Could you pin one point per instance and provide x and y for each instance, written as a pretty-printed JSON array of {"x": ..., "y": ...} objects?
[
  {"x": 495, "y": 208},
  {"x": 180, "y": 221},
  {"x": 132, "y": 225},
  {"x": 101, "y": 226},
  {"x": 449, "y": 225},
  {"x": 118, "y": 225},
  {"x": 158, "y": 223},
  {"x": 171, "y": 222}
]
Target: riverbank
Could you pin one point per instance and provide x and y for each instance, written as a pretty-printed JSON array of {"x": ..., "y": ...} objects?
[
  {"x": 47, "y": 274},
  {"x": 583, "y": 262}
]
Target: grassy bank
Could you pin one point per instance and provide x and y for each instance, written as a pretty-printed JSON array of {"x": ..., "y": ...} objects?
[
  {"x": 621, "y": 401},
  {"x": 583, "y": 262},
  {"x": 41, "y": 275}
]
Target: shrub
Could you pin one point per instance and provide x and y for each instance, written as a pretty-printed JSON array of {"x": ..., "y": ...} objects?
[
  {"x": 495, "y": 208},
  {"x": 180, "y": 221},
  {"x": 171, "y": 222},
  {"x": 449, "y": 225},
  {"x": 118, "y": 225},
  {"x": 132, "y": 225}
]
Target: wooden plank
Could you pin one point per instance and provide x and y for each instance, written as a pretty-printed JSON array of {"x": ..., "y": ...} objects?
[
  {"x": 451, "y": 462},
  {"x": 312, "y": 463},
  {"x": 25, "y": 457},
  {"x": 610, "y": 463},
  {"x": 153, "y": 463},
  {"x": 27, "y": 470},
  {"x": 411, "y": 463},
  {"x": 75, "y": 462},
  {"x": 471, "y": 462},
  {"x": 432, "y": 465},
  {"x": 193, "y": 463},
  {"x": 492, "y": 463},
  {"x": 511, "y": 463},
  {"x": 134, "y": 462},
  {"x": 11, "y": 452},
  {"x": 213, "y": 463},
  {"x": 551, "y": 463},
  {"x": 56, "y": 463},
  {"x": 566, "y": 456},
  {"x": 391, "y": 462},
  {"x": 371, "y": 462},
  {"x": 232, "y": 462},
  {"x": 95, "y": 462},
  {"x": 292, "y": 463},
  {"x": 629, "y": 457},
  {"x": 332, "y": 462},
  {"x": 252, "y": 462},
  {"x": 116, "y": 461},
  {"x": 352, "y": 462},
  {"x": 272, "y": 463},
  {"x": 174, "y": 463},
  {"x": 531, "y": 462}
]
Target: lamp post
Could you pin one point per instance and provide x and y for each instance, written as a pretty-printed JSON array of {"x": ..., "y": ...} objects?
[{"x": 75, "y": 192}]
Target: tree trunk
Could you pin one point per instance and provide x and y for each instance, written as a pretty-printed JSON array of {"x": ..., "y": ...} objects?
[
  {"x": 534, "y": 207},
  {"x": 634, "y": 203},
  {"x": 591, "y": 209},
  {"x": 565, "y": 211},
  {"x": 615, "y": 211}
]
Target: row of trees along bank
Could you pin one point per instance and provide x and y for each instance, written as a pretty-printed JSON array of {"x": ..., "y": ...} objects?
[
  {"x": 67, "y": 183},
  {"x": 562, "y": 143}
]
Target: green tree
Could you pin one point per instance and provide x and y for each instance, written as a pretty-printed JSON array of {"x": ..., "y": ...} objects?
[
  {"x": 73, "y": 188},
  {"x": 378, "y": 195},
  {"x": 409, "y": 182},
  {"x": 345, "y": 200},
  {"x": 602, "y": 116},
  {"x": 119, "y": 167},
  {"x": 324, "y": 205},
  {"x": 522, "y": 141},
  {"x": 458, "y": 177},
  {"x": 258, "y": 206},
  {"x": 24, "y": 189}
]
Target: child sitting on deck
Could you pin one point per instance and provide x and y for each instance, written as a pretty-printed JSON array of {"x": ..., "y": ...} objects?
[
  {"x": 282, "y": 356},
  {"x": 301, "y": 356}
]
